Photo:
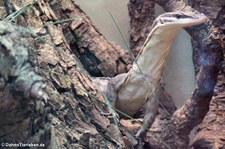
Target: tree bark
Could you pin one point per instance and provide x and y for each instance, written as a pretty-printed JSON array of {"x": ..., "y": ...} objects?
[
  {"x": 142, "y": 15},
  {"x": 72, "y": 116},
  {"x": 214, "y": 121},
  {"x": 99, "y": 57}
]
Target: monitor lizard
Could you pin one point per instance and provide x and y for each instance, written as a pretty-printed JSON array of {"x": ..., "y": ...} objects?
[{"x": 128, "y": 92}]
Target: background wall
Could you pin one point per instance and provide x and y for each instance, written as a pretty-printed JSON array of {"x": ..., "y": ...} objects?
[
  {"x": 98, "y": 10},
  {"x": 179, "y": 72}
]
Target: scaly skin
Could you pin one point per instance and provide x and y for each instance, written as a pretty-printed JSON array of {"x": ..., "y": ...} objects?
[{"x": 128, "y": 92}]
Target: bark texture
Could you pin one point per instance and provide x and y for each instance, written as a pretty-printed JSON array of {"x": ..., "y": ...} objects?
[
  {"x": 99, "y": 57},
  {"x": 20, "y": 86},
  {"x": 142, "y": 15},
  {"x": 72, "y": 116},
  {"x": 210, "y": 133}
]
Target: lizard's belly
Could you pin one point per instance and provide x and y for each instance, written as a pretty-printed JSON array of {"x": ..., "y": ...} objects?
[{"x": 133, "y": 95}]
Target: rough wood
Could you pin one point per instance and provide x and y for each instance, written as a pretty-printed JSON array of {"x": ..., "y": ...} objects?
[
  {"x": 72, "y": 117},
  {"x": 142, "y": 15},
  {"x": 99, "y": 57},
  {"x": 20, "y": 87},
  {"x": 210, "y": 133}
]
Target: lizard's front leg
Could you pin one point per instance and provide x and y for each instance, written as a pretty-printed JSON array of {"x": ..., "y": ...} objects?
[
  {"x": 114, "y": 86},
  {"x": 111, "y": 86},
  {"x": 151, "y": 107}
]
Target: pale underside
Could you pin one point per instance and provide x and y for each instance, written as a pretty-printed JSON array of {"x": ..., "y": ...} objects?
[{"x": 133, "y": 95}]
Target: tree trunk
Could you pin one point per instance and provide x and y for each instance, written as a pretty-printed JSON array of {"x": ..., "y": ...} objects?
[
  {"x": 211, "y": 132},
  {"x": 72, "y": 116},
  {"x": 142, "y": 15}
]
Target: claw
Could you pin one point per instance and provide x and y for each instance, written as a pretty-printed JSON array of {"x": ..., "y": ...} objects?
[
  {"x": 141, "y": 133},
  {"x": 36, "y": 90},
  {"x": 140, "y": 143}
]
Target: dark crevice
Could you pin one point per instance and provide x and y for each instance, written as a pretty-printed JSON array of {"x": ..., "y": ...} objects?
[
  {"x": 9, "y": 7},
  {"x": 60, "y": 89},
  {"x": 88, "y": 59},
  {"x": 11, "y": 79}
]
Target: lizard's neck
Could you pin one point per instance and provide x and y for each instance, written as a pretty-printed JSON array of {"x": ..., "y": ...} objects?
[{"x": 152, "y": 58}]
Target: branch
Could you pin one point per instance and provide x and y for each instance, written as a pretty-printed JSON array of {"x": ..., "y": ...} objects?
[
  {"x": 195, "y": 109},
  {"x": 98, "y": 56},
  {"x": 204, "y": 138}
]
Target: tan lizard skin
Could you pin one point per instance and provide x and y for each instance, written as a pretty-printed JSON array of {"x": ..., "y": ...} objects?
[{"x": 128, "y": 92}]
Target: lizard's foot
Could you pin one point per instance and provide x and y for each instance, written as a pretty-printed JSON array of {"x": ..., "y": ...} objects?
[
  {"x": 140, "y": 143},
  {"x": 141, "y": 133},
  {"x": 139, "y": 136}
]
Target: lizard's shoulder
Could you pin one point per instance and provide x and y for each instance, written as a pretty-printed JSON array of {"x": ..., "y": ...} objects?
[{"x": 119, "y": 81}]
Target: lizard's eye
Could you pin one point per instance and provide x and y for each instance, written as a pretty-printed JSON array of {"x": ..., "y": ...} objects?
[{"x": 178, "y": 16}]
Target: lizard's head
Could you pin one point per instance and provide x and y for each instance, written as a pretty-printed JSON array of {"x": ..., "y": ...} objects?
[{"x": 180, "y": 19}]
